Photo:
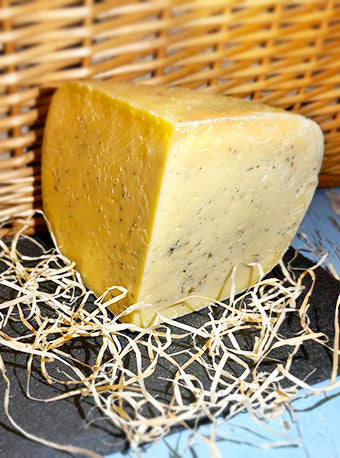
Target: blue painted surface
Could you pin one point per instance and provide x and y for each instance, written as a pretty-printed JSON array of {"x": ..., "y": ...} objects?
[
  {"x": 315, "y": 425},
  {"x": 314, "y": 430},
  {"x": 319, "y": 232}
]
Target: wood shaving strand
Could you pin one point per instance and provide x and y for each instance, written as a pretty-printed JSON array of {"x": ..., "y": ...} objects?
[{"x": 53, "y": 319}]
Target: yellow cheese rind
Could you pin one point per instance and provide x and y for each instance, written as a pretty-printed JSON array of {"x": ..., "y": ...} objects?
[
  {"x": 101, "y": 173},
  {"x": 181, "y": 105},
  {"x": 167, "y": 192}
]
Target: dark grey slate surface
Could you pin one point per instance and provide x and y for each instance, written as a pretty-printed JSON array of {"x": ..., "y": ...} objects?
[{"x": 64, "y": 421}]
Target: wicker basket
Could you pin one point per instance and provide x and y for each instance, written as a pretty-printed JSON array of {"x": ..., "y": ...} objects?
[{"x": 286, "y": 53}]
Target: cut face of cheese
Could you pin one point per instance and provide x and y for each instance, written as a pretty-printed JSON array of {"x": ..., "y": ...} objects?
[{"x": 173, "y": 192}]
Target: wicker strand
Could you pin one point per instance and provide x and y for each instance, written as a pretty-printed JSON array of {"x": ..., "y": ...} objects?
[{"x": 285, "y": 53}]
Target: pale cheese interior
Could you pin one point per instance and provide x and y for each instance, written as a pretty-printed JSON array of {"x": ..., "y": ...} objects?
[{"x": 247, "y": 196}]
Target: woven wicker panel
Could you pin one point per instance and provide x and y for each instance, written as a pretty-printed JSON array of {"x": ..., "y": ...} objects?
[{"x": 286, "y": 53}]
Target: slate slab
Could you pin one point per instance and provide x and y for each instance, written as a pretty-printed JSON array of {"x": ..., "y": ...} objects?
[{"x": 64, "y": 421}]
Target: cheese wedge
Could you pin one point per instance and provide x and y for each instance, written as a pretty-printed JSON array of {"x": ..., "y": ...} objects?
[{"x": 172, "y": 192}]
